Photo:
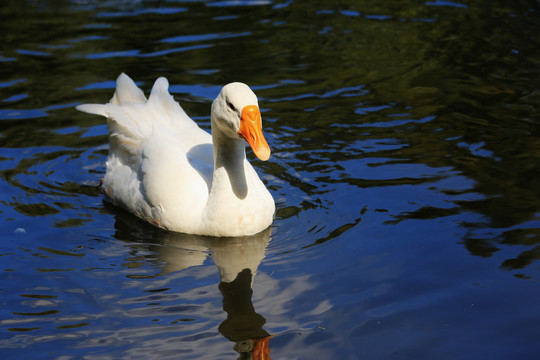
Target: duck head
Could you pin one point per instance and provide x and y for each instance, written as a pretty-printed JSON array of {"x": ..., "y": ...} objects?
[{"x": 235, "y": 112}]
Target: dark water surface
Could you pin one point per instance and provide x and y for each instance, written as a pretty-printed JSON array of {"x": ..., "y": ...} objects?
[{"x": 405, "y": 167}]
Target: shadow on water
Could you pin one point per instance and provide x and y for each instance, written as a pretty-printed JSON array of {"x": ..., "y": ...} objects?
[{"x": 237, "y": 260}]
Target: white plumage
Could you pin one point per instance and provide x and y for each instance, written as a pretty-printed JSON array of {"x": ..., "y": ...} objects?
[{"x": 166, "y": 170}]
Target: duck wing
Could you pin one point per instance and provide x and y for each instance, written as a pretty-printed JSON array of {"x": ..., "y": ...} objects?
[
  {"x": 132, "y": 118},
  {"x": 159, "y": 159}
]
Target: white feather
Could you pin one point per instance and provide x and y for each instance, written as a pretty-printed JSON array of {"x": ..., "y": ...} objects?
[{"x": 161, "y": 165}]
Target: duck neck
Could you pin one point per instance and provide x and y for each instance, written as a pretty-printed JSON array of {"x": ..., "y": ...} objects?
[{"x": 229, "y": 165}]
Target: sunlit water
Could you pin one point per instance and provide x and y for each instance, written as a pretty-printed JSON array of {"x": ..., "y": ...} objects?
[{"x": 405, "y": 168}]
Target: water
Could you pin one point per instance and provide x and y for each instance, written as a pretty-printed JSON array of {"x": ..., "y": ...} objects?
[{"x": 405, "y": 168}]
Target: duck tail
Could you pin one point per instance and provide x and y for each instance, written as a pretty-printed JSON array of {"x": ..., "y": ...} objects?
[{"x": 127, "y": 92}]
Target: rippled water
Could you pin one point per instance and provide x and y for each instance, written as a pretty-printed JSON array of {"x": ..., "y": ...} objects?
[{"x": 405, "y": 167}]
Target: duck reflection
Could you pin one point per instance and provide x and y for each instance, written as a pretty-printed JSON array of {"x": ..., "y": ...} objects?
[{"x": 237, "y": 260}]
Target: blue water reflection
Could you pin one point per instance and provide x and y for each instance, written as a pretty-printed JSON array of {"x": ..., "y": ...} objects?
[{"x": 405, "y": 168}]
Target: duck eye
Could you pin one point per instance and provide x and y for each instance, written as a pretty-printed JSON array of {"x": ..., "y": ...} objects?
[{"x": 231, "y": 107}]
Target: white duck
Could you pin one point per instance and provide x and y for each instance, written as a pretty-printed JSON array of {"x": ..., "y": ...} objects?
[{"x": 166, "y": 170}]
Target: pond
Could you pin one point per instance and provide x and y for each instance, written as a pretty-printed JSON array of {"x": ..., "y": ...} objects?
[{"x": 405, "y": 167}]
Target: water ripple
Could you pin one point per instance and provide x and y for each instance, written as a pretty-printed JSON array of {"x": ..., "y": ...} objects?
[{"x": 404, "y": 168}]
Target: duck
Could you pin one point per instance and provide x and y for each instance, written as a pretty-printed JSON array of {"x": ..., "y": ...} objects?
[{"x": 163, "y": 168}]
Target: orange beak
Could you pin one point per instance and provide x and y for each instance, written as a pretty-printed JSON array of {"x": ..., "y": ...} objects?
[
  {"x": 251, "y": 130},
  {"x": 261, "y": 349}
]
